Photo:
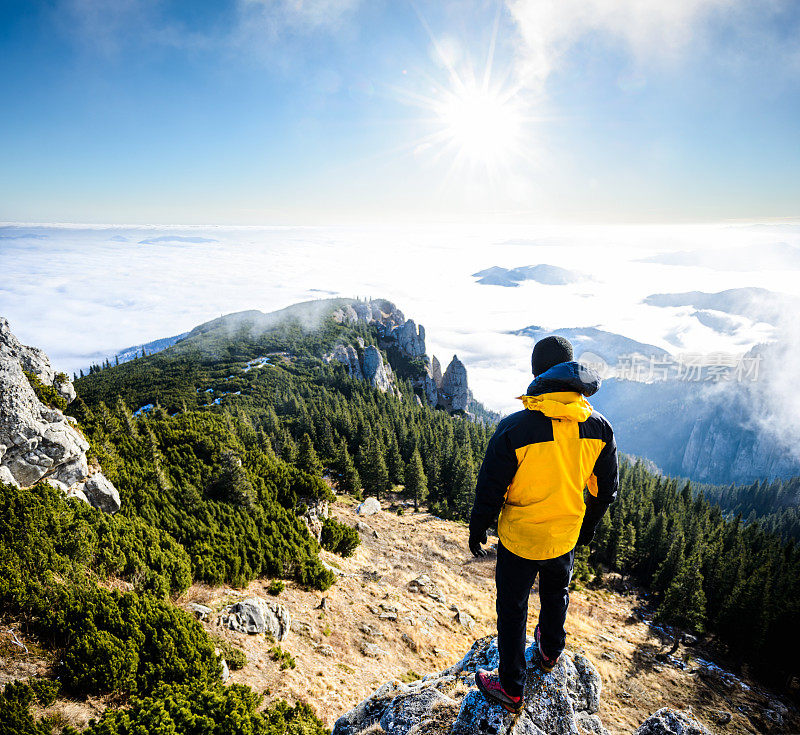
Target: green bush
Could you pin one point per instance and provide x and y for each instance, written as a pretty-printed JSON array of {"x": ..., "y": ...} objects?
[
  {"x": 199, "y": 710},
  {"x": 276, "y": 586},
  {"x": 47, "y": 394},
  {"x": 339, "y": 538},
  {"x": 284, "y": 657},
  {"x": 15, "y": 702},
  {"x": 235, "y": 657}
]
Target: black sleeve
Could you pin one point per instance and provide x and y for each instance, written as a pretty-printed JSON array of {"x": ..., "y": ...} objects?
[
  {"x": 497, "y": 470},
  {"x": 606, "y": 470}
]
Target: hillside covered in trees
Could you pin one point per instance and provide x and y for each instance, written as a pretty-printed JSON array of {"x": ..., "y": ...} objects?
[{"x": 220, "y": 444}]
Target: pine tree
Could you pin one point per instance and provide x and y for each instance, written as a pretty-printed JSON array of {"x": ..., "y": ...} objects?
[
  {"x": 349, "y": 479},
  {"x": 684, "y": 604},
  {"x": 394, "y": 463},
  {"x": 372, "y": 469},
  {"x": 307, "y": 459},
  {"x": 462, "y": 483},
  {"x": 668, "y": 569},
  {"x": 416, "y": 482},
  {"x": 288, "y": 448},
  {"x": 626, "y": 549}
]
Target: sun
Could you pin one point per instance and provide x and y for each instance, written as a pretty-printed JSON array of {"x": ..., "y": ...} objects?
[{"x": 481, "y": 125}]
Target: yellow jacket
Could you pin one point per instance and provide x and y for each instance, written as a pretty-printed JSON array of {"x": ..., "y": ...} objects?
[{"x": 539, "y": 461}]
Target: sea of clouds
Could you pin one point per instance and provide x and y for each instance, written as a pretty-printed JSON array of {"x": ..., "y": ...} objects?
[{"x": 83, "y": 293}]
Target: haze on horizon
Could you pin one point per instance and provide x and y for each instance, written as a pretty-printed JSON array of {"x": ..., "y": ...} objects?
[{"x": 326, "y": 111}]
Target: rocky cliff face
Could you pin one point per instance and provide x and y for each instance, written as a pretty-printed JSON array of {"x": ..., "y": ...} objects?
[
  {"x": 37, "y": 441},
  {"x": 563, "y": 702},
  {"x": 449, "y": 391}
]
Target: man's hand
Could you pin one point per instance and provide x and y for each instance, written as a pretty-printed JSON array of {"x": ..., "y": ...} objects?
[{"x": 476, "y": 538}]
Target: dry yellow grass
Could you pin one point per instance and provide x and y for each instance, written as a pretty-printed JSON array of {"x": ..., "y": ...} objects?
[{"x": 378, "y": 574}]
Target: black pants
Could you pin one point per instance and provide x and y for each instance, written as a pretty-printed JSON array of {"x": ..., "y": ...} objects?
[{"x": 515, "y": 577}]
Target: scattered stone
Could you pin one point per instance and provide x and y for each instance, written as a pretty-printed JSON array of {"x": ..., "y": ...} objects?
[
  {"x": 101, "y": 493},
  {"x": 362, "y": 527},
  {"x": 671, "y": 722},
  {"x": 610, "y": 656},
  {"x": 370, "y": 630},
  {"x": 658, "y": 669},
  {"x": 371, "y": 650},
  {"x": 464, "y": 619},
  {"x": 424, "y": 585},
  {"x": 722, "y": 717},
  {"x": 201, "y": 611},
  {"x": 302, "y": 628},
  {"x": 369, "y": 507}
]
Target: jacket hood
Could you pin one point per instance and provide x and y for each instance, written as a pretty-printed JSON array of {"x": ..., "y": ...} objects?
[
  {"x": 566, "y": 376},
  {"x": 565, "y": 405}
]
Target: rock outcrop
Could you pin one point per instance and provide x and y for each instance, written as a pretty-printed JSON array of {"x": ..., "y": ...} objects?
[
  {"x": 348, "y": 356},
  {"x": 376, "y": 372},
  {"x": 37, "y": 441},
  {"x": 410, "y": 340},
  {"x": 453, "y": 390},
  {"x": 314, "y": 517},
  {"x": 255, "y": 615},
  {"x": 563, "y": 702},
  {"x": 449, "y": 391}
]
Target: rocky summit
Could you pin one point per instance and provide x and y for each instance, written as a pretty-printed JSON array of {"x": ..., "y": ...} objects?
[
  {"x": 449, "y": 391},
  {"x": 562, "y": 702},
  {"x": 37, "y": 441}
]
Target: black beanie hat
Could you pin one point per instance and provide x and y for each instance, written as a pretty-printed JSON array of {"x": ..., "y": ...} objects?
[{"x": 550, "y": 351}]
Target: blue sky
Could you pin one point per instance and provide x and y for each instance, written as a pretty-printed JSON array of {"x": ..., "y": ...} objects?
[{"x": 326, "y": 111}]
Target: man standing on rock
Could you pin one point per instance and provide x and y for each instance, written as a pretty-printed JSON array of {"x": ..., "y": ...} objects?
[{"x": 536, "y": 467}]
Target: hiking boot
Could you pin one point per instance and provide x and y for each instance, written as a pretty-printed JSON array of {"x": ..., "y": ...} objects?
[
  {"x": 493, "y": 690},
  {"x": 547, "y": 663}
]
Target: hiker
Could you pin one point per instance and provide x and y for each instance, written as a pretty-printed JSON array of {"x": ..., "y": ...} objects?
[{"x": 536, "y": 467}]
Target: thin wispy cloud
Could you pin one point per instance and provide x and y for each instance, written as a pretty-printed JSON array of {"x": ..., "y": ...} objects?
[{"x": 648, "y": 32}]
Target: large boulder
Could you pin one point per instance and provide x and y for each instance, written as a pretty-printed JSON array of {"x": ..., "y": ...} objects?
[
  {"x": 255, "y": 615},
  {"x": 38, "y": 442},
  {"x": 451, "y": 701},
  {"x": 369, "y": 507},
  {"x": 671, "y": 722},
  {"x": 562, "y": 702}
]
